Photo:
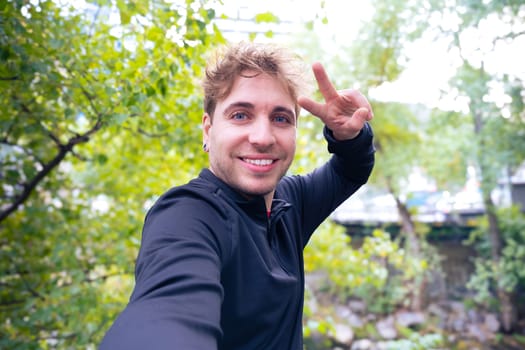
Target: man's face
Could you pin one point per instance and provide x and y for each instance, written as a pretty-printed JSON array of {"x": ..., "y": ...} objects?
[{"x": 251, "y": 140}]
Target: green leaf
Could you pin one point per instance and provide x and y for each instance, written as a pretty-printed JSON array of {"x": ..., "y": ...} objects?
[
  {"x": 117, "y": 118},
  {"x": 124, "y": 11},
  {"x": 102, "y": 159},
  {"x": 266, "y": 17},
  {"x": 309, "y": 25},
  {"x": 269, "y": 34},
  {"x": 162, "y": 86}
]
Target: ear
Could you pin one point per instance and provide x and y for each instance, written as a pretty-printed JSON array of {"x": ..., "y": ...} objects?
[{"x": 206, "y": 125}]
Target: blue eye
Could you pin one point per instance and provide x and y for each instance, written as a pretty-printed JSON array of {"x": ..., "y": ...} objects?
[
  {"x": 281, "y": 119},
  {"x": 239, "y": 116}
]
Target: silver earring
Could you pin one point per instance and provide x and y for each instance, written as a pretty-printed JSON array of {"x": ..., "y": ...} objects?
[{"x": 205, "y": 147}]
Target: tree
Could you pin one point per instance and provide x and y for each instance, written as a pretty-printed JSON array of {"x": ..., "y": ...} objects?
[
  {"x": 498, "y": 124},
  {"x": 494, "y": 123},
  {"x": 378, "y": 57},
  {"x": 99, "y": 108}
]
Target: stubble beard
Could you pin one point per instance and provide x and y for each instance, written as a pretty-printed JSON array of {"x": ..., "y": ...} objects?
[{"x": 234, "y": 180}]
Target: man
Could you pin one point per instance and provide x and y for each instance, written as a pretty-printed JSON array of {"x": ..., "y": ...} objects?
[{"x": 221, "y": 260}]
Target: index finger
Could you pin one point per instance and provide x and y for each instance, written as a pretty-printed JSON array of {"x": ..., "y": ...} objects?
[{"x": 325, "y": 85}]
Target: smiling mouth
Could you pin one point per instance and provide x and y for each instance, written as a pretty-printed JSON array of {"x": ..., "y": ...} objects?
[{"x": 259, "y": 162}]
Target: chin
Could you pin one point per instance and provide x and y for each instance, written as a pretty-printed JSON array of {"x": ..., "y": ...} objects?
[{"x": 254, "y": 191}]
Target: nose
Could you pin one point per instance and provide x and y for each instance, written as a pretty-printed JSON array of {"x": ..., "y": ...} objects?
[{"x": 262, "y": 133}]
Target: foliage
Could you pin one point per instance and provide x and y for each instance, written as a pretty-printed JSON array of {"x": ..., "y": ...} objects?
[
  {"x": 398, "y": 142},
  {"x": 509, "y": 272},
  {"x": 378, "y": 271},
  {"x": 377, "y": 53},
  {"x": 493, "y": 98},
  {"x": 496, "y": 123},
  {"x": 417, "y": 342},
  {"x": 494, "y": 134},
  {"x": 490, "y": 132},
  {"x": 99, "y": 108},
  {"x": 447, "y": 148}
]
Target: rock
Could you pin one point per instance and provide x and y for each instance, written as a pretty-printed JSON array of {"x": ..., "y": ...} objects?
[
  {"x": 363, "y": 344},
  {"x": 457, "y": 319},
  {"x": 457, "y": 308},
  {"x": 410, "y": 319},
  {"x": 349, "y": 316},
  {"x": 474, "y": 316},
  {"x": 357, "y": 306},
  {"x": 492, "y": 323},
  {"x": 386, "y": 328},
  {"x": 343, "y": 334},
  {"x": 370, "y": 318},
  {"x": 437, "y": 310},
  {"x": 457, "y": 325},
  {"x": 342, "y": 311},
  {"x": 355, "y": 321},
  {"x": 474, "y": 331}
]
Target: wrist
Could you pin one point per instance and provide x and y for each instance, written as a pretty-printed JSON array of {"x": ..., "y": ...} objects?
[{"x": 339, "y": 136}]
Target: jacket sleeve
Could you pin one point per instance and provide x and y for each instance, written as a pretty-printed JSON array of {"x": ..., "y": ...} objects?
[
  {"x": 320, "y": 192},
  {"x": 354, "y": 158},
  {"x": 177, "y": 298}
]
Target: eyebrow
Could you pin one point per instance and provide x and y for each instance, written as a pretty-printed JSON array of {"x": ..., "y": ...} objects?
[
  {"x": 249, "y": 105},
  {"x": 235, "y": 105}
]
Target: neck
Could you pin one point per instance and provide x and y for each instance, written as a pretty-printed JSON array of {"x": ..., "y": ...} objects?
[{"x": 268, "y": 201}]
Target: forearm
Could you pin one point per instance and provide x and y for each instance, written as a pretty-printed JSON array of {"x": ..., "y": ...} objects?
[
  {"x": 177, "y": 298},
  {"x": 354, "y": 158}
]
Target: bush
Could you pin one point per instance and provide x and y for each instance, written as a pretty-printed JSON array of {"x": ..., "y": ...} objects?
[
  {"x": 509, "y": 273},
  {"x": 379, "y": 272}
]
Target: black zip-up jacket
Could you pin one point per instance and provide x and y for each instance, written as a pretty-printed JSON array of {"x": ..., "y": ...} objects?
[{"x": 215, "y": 272}]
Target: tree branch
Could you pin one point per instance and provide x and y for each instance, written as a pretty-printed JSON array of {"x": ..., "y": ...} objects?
[
  {"x": 12, "y": 303},
  {"x": 508, "y": 36},
  {"x": 15, "y": 77},
  {"x": 28, "y": 287},
  {"x": 63, "y": 150}
]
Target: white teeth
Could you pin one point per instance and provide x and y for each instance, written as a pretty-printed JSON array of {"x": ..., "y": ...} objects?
[{"x": 259, "y": 162}]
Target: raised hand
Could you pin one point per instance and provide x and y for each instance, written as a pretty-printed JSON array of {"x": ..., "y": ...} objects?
[{"x": 344, "y": 112}]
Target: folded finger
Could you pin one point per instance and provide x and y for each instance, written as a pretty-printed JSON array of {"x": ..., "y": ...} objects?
[{"x": 357, "y": 99}]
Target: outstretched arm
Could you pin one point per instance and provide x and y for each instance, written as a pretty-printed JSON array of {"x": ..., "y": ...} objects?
[{"x": 176, "y": 303}]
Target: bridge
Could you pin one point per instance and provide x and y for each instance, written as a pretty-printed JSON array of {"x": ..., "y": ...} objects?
[
  {"x": 360, "y": 216},
  {"x": 448, "y": 216}
]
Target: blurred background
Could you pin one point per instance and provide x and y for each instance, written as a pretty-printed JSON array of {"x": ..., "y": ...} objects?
[{"x": 101, "y": 114}]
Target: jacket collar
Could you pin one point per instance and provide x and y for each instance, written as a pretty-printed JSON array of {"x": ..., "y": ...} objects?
[{"x": 255, "y": 206}]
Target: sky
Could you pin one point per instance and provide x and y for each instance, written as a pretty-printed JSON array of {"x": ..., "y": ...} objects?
[{"x": 431, "y": 65}]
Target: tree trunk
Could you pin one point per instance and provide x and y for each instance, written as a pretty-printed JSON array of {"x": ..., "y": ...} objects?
[
  {"x": 413, "y": 245},
  {"x": 508, "y": 313}
]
